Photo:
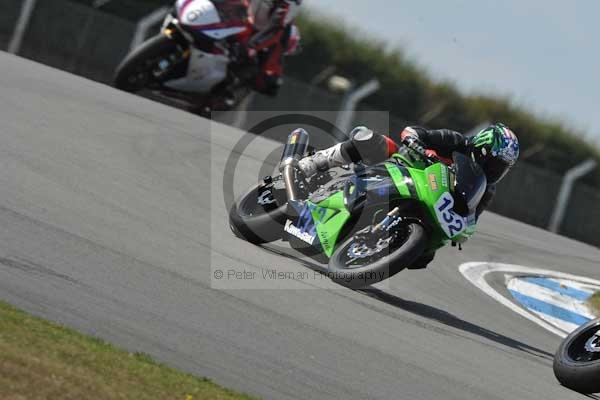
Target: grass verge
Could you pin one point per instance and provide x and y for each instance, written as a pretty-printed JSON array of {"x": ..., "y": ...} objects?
[
  {"x": 594, "y": 302},
  {"x": 43, "y": 360}
]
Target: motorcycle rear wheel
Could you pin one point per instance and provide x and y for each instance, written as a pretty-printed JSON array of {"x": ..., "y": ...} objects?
[
  {"x": 250, "y": 221},
  {"x": 577, "y": 361},
  {"x": 135, "y": 71},
  {"x": 377, "y": 263}
]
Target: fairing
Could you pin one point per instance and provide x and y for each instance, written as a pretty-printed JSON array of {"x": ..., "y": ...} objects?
[
  {"x": 323, "y": 219},
  {"x": 204, "y": 72},
  {"x": 433, "y": 187},
  {"x": 215, "y": 19}
]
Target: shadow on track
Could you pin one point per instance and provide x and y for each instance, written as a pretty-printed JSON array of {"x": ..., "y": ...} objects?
[
  {"x": 426, "y": 311},
  {"x": 451, "y": 320}
]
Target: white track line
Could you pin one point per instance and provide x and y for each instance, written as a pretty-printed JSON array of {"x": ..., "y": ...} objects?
[{"x": 475, "y": 273}]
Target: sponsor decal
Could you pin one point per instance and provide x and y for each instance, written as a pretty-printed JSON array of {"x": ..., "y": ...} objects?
[
  {"x": 444, "y": 177},
  {"x": 324, "y": 238},
  {"x": 433, "y": 182},
  {"x": 299, "y": 233},
  {"x": 294, "y": 138}
]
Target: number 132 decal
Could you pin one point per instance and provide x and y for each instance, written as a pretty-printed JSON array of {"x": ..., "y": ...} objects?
[{"x": 452, "y": 224}]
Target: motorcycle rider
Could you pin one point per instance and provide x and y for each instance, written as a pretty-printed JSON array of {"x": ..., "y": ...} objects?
[
  {"x": 495, "y": 149},
  {"x": 273, "y": 20}
]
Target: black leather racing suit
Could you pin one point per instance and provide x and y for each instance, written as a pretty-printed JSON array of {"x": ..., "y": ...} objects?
[
  {"x": 445, "y": 142},
  {"x": 272, "y": 38}
]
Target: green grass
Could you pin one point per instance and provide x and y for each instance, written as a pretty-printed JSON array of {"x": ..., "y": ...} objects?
[
  {"x": 43, "y": 360},
  {"x": 594, "y": 302}
]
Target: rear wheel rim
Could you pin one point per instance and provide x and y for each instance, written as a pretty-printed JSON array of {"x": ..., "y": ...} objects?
[
  {"x": 251, "y": 205},
  {"x": 585, "y": 347},
  {"x": 142, "y": 74}
]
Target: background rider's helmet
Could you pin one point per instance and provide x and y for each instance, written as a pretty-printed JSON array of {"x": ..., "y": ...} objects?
[{"x": 496, "y": 149}]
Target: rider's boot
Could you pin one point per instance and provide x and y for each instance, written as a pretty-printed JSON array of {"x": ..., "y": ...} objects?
[
  {"x": 340, "y": 154},
  {"x": 322, "y": 161}
]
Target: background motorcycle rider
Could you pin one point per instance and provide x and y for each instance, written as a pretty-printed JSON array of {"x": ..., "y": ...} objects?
[
  {"x": 495, "y": 149},
  {"x": 273, "y": 19}
]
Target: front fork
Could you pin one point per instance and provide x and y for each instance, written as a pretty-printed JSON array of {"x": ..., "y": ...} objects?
[
  {"x": 171, "y": 29},
  {"x": 391, "y": 219},
  {"x": 381, "y": 229}
]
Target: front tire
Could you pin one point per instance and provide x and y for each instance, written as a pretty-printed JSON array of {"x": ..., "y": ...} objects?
[
  {"x": 374, "y": 268},
  {"x": 575, "y": 366},
  {"x": 135, "y": 71}
]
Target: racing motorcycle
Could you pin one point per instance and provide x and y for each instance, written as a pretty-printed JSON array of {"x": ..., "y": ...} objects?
[
  {"x": 197, "y": 58},
  {"x": 577, "y": 361},
  {"x": 368, "y": 223}
]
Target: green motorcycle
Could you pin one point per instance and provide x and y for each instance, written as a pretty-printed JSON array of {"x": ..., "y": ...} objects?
[{"x": 367, "y": 224}]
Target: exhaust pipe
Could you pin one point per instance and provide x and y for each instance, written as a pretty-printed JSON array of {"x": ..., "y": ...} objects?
[{"x": 294, "y": 150}]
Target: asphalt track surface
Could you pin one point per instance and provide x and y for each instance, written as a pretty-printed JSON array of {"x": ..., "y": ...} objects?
[{"x": 107, "y": 225}]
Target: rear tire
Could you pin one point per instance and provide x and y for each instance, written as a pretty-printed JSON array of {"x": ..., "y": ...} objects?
[
  {"x": 133, "y": 73},
  {"x": 575, "y": 367},
  {"x": 249, "y": 221},
  {"x": 382, "y": 268}
]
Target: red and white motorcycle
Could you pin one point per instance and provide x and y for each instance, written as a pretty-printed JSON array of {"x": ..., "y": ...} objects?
[{"x": 196, "y": 57}]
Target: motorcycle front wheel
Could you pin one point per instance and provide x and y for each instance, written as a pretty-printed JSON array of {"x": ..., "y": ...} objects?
[
  {"x": 365, "y": 259},
  {"x": 136, "y": 71},
  {"x": 577, "y": 361}
]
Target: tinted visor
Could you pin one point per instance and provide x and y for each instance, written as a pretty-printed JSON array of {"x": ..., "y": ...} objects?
[{"x": 495, "y": 169}]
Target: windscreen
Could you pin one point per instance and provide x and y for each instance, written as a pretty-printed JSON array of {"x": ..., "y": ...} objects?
[{"x": 470, "y": 184}]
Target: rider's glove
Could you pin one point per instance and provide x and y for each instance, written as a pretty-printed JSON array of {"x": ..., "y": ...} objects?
[
  {"x": 415, "y": 144},
  {"x": 252, "y": 53}
]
